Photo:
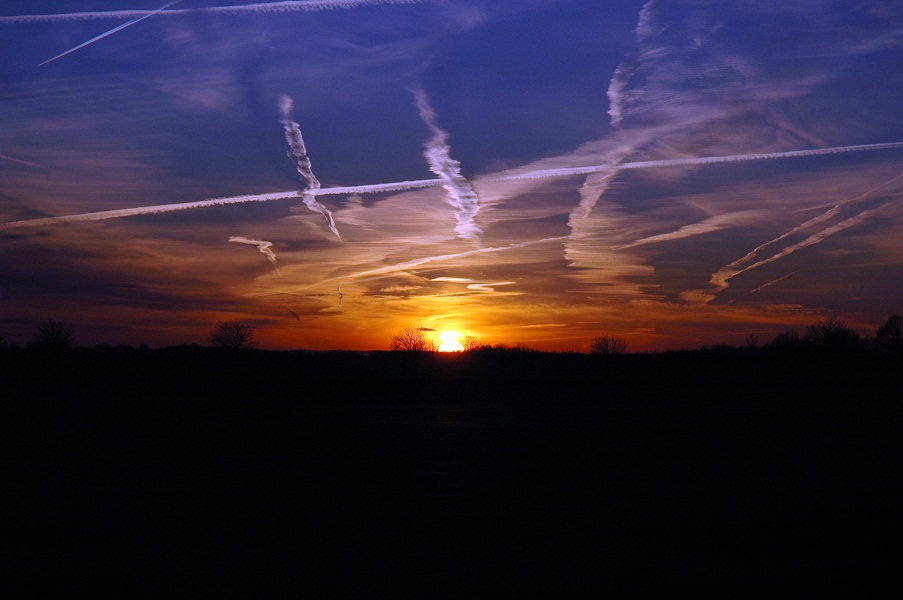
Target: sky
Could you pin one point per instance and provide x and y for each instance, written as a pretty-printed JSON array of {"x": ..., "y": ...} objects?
[{"x": 530, "y": 172}]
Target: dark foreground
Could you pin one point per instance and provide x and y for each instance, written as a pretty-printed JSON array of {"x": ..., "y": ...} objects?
[{"x": 509, "y": 473}]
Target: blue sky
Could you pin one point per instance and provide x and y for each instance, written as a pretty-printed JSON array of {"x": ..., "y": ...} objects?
[{"x": 185, "y": 107}]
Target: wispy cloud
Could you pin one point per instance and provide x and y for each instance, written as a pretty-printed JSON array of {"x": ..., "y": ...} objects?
[
  {"x": 259, "y": 7},
  {"x": 438, "y": 155},
  {"x": 111, "y": 32}
]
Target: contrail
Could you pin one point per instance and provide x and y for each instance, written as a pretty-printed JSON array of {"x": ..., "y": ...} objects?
[
  {"x": 264, "y": 246},
  {"x": 399, "y": 186},
  {"x": 817, "y": 237},
  {"x": 623, "y": 74},
  {"x": 692, "y": 162},
  {"x": 148, "y": 210},
  {"x": 302, "y": 162},
  {"x": 260, "y": 7},
  {"x": 442, "y": 257},
  {"x": 771, "y": 283},
  {"x": 21, "y": 162},
  {"x": 111, "y": 32},
  {"x": 426, "y": 183},
  {"x": 437, "y": 153},
  {"x": 727, "y": 272}
]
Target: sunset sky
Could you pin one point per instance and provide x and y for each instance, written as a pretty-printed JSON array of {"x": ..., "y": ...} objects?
[{"x": 483, "y": 106}]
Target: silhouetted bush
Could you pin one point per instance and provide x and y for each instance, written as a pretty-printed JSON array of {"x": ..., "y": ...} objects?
[
  {"x": 55, "y": 336},
  {"x": 233, "y": 335},
  {"x": 607, "y": 344}
]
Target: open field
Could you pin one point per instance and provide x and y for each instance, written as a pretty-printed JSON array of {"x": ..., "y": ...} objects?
[{"x": 391, "y": 474}]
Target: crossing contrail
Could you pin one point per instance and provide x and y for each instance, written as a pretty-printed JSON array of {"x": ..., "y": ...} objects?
[
  {"x": 302, "y": 162},
  {"x": 111, "y": 32},
  {"x": 259, "y": 7},
  {"x": 438, "y": 155}
]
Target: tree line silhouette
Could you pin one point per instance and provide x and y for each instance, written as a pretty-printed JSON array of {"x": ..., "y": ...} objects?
[{"x": 830, "y": 334}]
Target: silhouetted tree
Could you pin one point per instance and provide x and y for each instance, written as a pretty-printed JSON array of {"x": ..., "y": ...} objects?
[
  {"x": 607, "y": 344},
  {"x": 890, "y": 335},
  {"x": 412, "y": 339},
  {"x": 833, "y": 335},
  {"x": 54, "y": 335},
  {"x": 233, "y": 335}
]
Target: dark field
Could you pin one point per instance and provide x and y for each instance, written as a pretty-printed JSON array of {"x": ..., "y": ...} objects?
[{"x": 511, "y": 473}]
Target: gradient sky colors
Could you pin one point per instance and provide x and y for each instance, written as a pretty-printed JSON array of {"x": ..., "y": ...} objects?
[{"x": 543, "y": 161}]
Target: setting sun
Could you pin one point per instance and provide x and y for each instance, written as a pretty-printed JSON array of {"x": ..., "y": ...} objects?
[{"x": 450, "y": 342}]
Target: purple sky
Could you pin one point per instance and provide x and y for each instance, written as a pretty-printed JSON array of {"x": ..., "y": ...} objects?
[{"x": 475, "y": 99}]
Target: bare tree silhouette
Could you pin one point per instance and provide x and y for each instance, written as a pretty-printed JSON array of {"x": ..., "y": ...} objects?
[
  {"x": 412, "y": 339},
  {"x": 233, "y": 335},
  {"x": 607, "y": 344},
  {"x": 833, "y": 335},
  {"x": 54, "y": 335}
]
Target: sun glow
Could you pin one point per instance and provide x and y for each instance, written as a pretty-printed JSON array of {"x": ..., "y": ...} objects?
[{"x": 450, "y": 342}]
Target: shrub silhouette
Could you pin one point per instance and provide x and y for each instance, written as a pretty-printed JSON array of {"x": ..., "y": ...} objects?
[
  {"x": 233, "y": 335},
  {"x": 607, "y": 344},
  {"x": 54, "y": 335}
]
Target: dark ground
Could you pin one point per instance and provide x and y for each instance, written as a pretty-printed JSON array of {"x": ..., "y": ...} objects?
[{"x": 512, "y": 473}]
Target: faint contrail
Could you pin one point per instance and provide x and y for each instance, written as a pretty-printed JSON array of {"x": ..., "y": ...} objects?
[
  {"x": 774, "y": 281},
  {"x": 403, "y": 266},
  {"x": 817, "y": 237},
  {"x": 148, "y": 210},
  {"x": 111, "y": 32},
  {"x": 260, "y": 7},
  {"x": 693, "y": 162},
  {"x": 302, "y": 162},
  {"x": 727, "y": 272},
  {"x": 21, "y": 162},
  {"x": 264, "y": 246},
  {"x": 437, "y": 153}
]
